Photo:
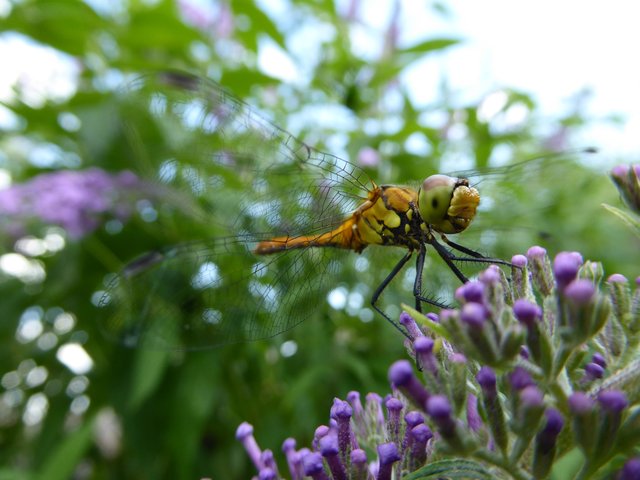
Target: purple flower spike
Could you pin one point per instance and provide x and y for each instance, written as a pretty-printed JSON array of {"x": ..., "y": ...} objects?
[
  {"x": 401, "y": 376},
  {"x": 358, "y": 464},
  {"x": 341, "y": 412},
  {"x": 410, "y": 325},
  {"x": 612, "y": 401},
  {"x": 519, "y": 379},
  {"x": 294, "y": 460},
  {"x": 580, "y": 403},
  {"x": 329, "y": 450},
  {"x": 580, "y": 292},
  {"x": 631, "y": 470},
  {"x": 312, "y": 466},
  {"x": 244, "y": 434},
  {"x": 565, "y": 268},
  {"x": 527, "y": 312},
  {"x": 394, "y": 408},
  {"x": 474, "y": 314},
  {"x": 388, "y": 454},
  {"x": 486, "y": 377},
  {"x": 470, "y": 292},
  {"x": 519, "y": 261}
]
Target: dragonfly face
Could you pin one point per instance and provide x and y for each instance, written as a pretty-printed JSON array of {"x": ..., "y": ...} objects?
[
  {"x": 272, "y": 202},
  {"x": 448, "y": 204}
]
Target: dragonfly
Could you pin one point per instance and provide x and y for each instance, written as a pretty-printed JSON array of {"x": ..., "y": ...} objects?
[{"x": 285, "y": 216}]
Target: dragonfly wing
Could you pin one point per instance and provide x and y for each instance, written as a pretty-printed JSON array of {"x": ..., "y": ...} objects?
[{"x": 238, "y": 179}]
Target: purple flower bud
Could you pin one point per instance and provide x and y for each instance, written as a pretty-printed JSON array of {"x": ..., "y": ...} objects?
[
  {"x": 612, "y": 400},
  {"x": 267, "y": 474},
  {"x": 421, "y": 433},
  {"x": 565, "y": 268},
  {"x": 410, "y": 325},
  {"x": 527, "y": 312},
  {"x": 358, "y": 465},
  {"x": 388, "y": 454},
  {"x": 394, "y": 407},
  {"x": 401, "y": 376},
  {"x": 519, "y": 261},
  {"x": 599, "y": 359},
  {"x": 536, "y": 252},
  {"x": 424, "y": 354},
  {"x": 531, "y": 396},
  {"x": 320, "y": 432},
  {"x": 580, "y": 403},
  {"x": 580, "y": 292},
  {"x": 486, "y": 377},
  {"x": 631, "y": 470},
  {"x": 439, "y": 408},
  {"x": 329, "y": 450},
  {"x": 617, "y": 278},
  {"x": 458, "y": 358},
  {"x": 244, "y": 434},
  {"x": 472, "y": 291},
  {"x": 490, "y": 275},
  {"x": 473, "y": 416},
  {"x": 341, "y": 412},
  {"x": 519, "y": 379},
  {"x": 413, "y": 418},
  {"x": 524, "y": 352},
  {"x": 433, "y": 317},
  {"x": 593, "y": 371},
  {"x": 312, "y": 465},
  {"x": 269, "y": 461},
  {"x": 419, "y": 436},
  {"x": 474, "y": 314},
  {"x": 294, "y": 459}
]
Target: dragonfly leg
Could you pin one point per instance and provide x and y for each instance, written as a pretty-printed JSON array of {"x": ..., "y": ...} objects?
[
  {"x": 417, "y": 284},
  {"x": 449, "y": 258},
  {"x": 384, "y": 284},
  {"x": 477, "y": 256}
]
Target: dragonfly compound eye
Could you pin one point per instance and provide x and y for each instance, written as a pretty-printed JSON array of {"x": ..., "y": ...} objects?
[{"x": 447, "y": 204}]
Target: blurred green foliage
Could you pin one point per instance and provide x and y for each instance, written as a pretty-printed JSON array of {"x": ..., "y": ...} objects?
[{"x": 167, "y": 414}]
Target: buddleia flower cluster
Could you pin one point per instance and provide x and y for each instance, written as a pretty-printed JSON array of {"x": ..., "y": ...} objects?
[{"x": 523, "y": 374}]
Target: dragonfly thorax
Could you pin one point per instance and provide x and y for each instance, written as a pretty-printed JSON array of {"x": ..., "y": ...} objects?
[{"x": 447, "y": 204}]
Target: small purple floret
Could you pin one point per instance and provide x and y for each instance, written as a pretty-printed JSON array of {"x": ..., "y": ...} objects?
[
  {"x": 531, "y": 396},
  {"x": 581, "y": 403},
  {"x": 490, "y": 275},
  {"x": 599, "y": 359},
  {"x": 527, "y": 312},
  {"x": 410, "y": 325},
  {"x": 565, "y": 268},
  {"x": 519, "y": 261},
  {"x": 413, "y": 418},
  {"x": 439, "y": 407},
  {"x": 536, "y": 252},
  {"x": 631, "y": 470},
  {"x": 519, "y": 379},
  {"x": 470, "y": 292},
  {"x": 473, "y": 314},
  {"x": 593, "y": 370},
  {"x": 486, "y": 377},
  {"x": 617, "y": 278},
  {"x": 580, "y": 292}
]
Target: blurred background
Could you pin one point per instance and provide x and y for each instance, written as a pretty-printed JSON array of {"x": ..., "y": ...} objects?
[{"x": 403, "y": 89}]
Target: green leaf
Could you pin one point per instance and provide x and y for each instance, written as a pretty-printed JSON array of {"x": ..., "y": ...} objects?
[
  {"x": 64, "y": 459},
  {"x": 630, "y": 220},
  {"x": 430, "y": 45},
  {"x": 463, "y": 469},
  {"x": 422, "y": 320}
]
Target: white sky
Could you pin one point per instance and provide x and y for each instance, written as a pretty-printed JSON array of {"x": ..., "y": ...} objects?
[{"x": 551, "y": 49}]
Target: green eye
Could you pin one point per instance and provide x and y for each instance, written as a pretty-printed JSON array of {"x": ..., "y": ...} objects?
[{"x": 447, "y": 204}]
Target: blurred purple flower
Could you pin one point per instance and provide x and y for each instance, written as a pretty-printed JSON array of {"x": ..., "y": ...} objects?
[{"x": 78, "y": 201}]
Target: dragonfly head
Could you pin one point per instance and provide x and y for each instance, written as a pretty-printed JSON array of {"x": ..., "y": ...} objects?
[{"x": 447, "y": 204}]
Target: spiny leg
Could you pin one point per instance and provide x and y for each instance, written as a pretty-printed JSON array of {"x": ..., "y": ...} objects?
[
  {"x": 384, "y": 284},
  {"x": 477, "y": 256},
  {"x": 417, "y": 284}
]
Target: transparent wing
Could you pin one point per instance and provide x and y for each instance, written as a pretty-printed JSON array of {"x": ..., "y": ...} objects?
[{"x": 242, "y": 179}]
